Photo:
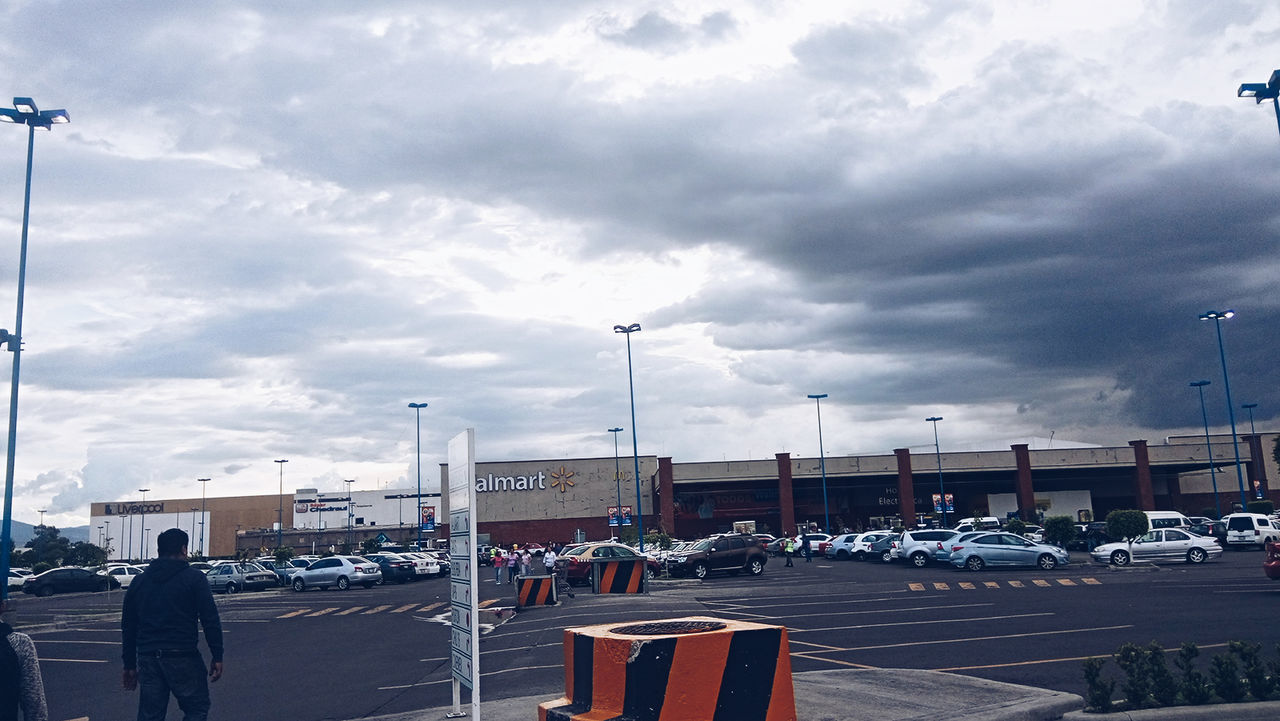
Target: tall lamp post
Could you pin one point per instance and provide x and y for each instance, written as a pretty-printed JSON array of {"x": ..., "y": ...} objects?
[
  {"x": 41, "y": 511},
  {"x": 107, "y": 547},
  {"x": 1213, "y": 468},
  {"x": 143, "y": 522},
  {"x": 351, "y": 512},
  {"x": 617, "y": 475},
  {"x": 203, "y": 485},
  {"x": 937, "y": 449},
  {"x": 1269, "y": 90},
  {"x": 26, "y": 113},
  {"x": 1249, "y": 407},
  {"x": 193, "y": 521},
  {"x": 417, "y": 417},
  {"x": 280, "y": 513},
  {"x": 627, "y": 330},
  {"x": 1217, "y": 316},
  {"x": 822, "y": 462}
]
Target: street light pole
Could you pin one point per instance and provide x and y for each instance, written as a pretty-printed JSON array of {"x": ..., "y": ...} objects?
[
  {"x": 1217, "y": 317},
  {"x": 280, "y": 513},
  {"x": 1269, "y": 90},
  {"x": 417, "y": 416},
  {"x": 1249, "y": 407},
  {"x": 1213, "y": 467},
  {"x": 617, "y": 476},
  {"x": 937, "y": 449},
  {"x": 143, "y": 522},
  {"x": 627, "y": 330},
  {"x": 193, "y": 522},
  {"x": 822, "y": 462},
  {"x": 26, "y": 113},
  {"x": 203, "y": 485},
  {"x": 107, "y": 548},
  {"x": 351, "y": 511},
  {"x": 41, "y": 511}
]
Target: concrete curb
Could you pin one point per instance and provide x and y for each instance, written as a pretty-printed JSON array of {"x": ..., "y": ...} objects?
[{"x": 1256, "y": 711}]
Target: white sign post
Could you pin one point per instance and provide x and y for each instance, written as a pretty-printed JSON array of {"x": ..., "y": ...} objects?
[{"x": 463, "y": 594}]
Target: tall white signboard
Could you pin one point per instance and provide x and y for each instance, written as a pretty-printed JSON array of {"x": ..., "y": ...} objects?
[{"x": 463, "y": 593}]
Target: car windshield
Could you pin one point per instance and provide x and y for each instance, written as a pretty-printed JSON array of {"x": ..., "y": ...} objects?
[
  {"x": 701, "y": 545},
  {"x": 577, "y": 551}
]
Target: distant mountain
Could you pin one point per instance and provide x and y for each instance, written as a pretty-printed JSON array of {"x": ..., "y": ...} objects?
[{"x": 23, "y": 532}]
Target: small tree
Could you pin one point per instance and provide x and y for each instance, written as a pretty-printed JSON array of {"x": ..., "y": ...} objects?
[
  {"x": 1059, "y": 530},
  {"x": 1195, "y": 687},
  {"x": 1127, "y": 524},
  {"x": 1164, "y": 688},
  {"x": 1015, "y": 526},
  {"x": 1255, "y": 672},
  {"x": 1263, "y": 506},
  {"x": 283, "y": 554},
  {"x": 370, "y": 545},
  {"x": 1132, "y": 659},
  {"x": 1227, "y": 683},
  {"x": 1099, "y": 690}
]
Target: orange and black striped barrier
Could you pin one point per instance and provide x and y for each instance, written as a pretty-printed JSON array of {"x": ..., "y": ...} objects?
[
  {"x": 684, "y": 669},
  {"x": 619, "y": 576},
  {"x": 535, "y": 591}
]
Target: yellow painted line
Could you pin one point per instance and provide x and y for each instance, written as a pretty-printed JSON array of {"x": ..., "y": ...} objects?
[
  {"x": 353, "y": 609},
  {"x": 1091, "y": 581},
  {"x": 988, "y": 638},
  {"x": 1066, "y": 582},
  {"x": 966, "y": 585},
  {"x": 916, "y": 586},
  {"x": 1040, "y": 582},
  {"x": 432, "y": 607},
  {"x": 376, "y": 609},
  {"x": 405, "y": 607},
  {"x": 937, "y": 586},
  {"x": 486, "y": 604},
  {"x": 291, "y": 614},
  {"x": 991, "y": 584},
  {"x": 1017, "y": 584},
  {"x": 322, "y": 612}
]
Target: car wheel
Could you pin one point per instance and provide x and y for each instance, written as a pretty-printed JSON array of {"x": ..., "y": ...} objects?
[
  {"x": 860, "y": 556},
  {"x": 919, "y": 559},
  {"x": 975, "y": 563},
  {"x": 1046, "y": 562},
  {"x": 842, "y": 555},
  {"x": 650, "y": 574},
  {"x": 230, "y": 589},
  {"x": 343, "y": 583},
  {"x": 45, "y": 591},
  {"x": 1119, "y": 558},
  {"x": 1196, "y": 555},
  {"x": 699, "y": 570},
  {"x": 755, "y": 567},
  {"x": 886, "y": 557},
  {"x": 299, "y": 585},
  {"x": 371, "y": 585},
  {"x": 375, "y": 583}
]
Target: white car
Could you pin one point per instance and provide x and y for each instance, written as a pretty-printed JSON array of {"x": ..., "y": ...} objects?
[
  {"x": 424, "y": 566},
  {"x": 1250, "y": 529},
  {"x": 16, "y": 581},
  {"x": 124, "y": 574},
  {"x": 1165, "y": 544}
]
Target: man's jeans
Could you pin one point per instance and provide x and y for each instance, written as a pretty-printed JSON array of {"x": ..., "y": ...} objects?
[{"x": 184, "y": 676}]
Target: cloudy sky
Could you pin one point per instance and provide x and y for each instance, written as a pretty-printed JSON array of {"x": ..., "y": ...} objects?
[{"x": 269, "y": 227}]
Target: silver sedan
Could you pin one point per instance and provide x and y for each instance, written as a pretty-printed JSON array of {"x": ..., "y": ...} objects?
[
  {"x": 976, "y": 550},
  {"x": 1167, "y": 544}
]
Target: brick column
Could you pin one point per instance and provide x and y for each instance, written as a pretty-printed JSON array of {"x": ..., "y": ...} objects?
[
  {"x": 1026, "y": 494},
  {"x": 666, "y": 497},
  {"x": 906, "y": 489},
  {"x": 1257, "y": 465},
  {"x": 1142, "y": 477},
  {"x": 786, "y": 496}
]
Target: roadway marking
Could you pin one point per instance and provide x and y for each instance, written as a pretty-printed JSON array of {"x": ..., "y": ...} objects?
[
  {"x": 1017, "y": 584},
  {"x": 1040, "y": 582},
  {"x": 376, "y": 609},
  {"x": 405, "y": 607},
  {"x": 984, "y": 638},
  {"x": 966, "y": 585},
  {"x": 1091, "y": 581},
  {"x": 921, "y": 623},
  {"x": 938, "y": 586},
  {"x": 432, "y": 607},
  {"x": 991, "y": 584},
  {"x": 834, "y": 660},
  {"x": 322, "y": 612},
  {"x": 353, "y": 609},
  {"x": 1052, "y": 660},
  {"x": 859, "y": 613},
  {"x": 291, "y": 614},
  {"x": 816, "y": 645},
  {"x": 1066, "y": 582},
  {"x": 916, "y": 586},
  {"x": 72, "y": 660},
  {"x": 486, "y": 604}
]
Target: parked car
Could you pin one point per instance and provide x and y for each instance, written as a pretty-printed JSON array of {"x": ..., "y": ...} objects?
[
  {"x": 123, "y": 574},
  {"x": 577, "y": 561},
  {"x": 68, "y": 579},
  {"x": 920, "y": 548},
  {"x": 1167, "y": 544},
  {"x": 976, "y": 551},
  {"x": 776, "y": 547},
  {"x": 1167, "y": 519},
  {"x": 284, "y": 570},
  {"x": 394, "y": 567},
  {"x": 339, "y": 571},
  {"x": 1216, "y": 530},
  {"x": 1250, "y": 529},
  {"x": 731, "y": 552},
  {"x": 424, "y": 566},
  {"x": 442, "y": 558},
  {"x": 883, "y": 548},
  {"x": 840, "y": 547},
  {"x": 1034, "y": 533},
  {"x": 16, "y": 581},
  {"x": 241, "y": 576},
  {"x": 981, "y": 523},
  {"x": 1271, "y": 564}
]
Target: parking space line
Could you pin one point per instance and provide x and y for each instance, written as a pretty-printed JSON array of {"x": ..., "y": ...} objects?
[
  {"x": 794, "y": 642},
  {"x": 322, "y": 612},
  {"x": 1040, "y": 582},
  {"x": 984, "y": 638},
  {"x": 376, "y": 609},
  {"x": 920, "y": 623},
  {"x": 1017, "y": 584},
  {"x": 916, "y": 586},
  {"x": 291, "y": 614},
  {"x": 837, "y": 661},
  {"x": 486, "y": 604},
  {"x": 939, "y": 586},
  {"x": 1051, "y": 660},
  {"x": 1091, "y": 581},
  {"x": 1066, "y": 582},
  {"x": 404, "y": 608},
  {"x": 353, "y": 609},
  {"x": 966, "y": 585},
  {"x": 991, "y": 584}
]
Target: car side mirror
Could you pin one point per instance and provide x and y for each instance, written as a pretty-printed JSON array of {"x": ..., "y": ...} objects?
[{"x": 713, "y": 549}]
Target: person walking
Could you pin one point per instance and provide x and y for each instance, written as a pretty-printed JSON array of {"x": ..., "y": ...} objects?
[
  {"x": 789, "y": 548},
  {"x": 498, "y": 563},
  {"x": 21, "y": 687},
  {"x": 549, "y": 559},
  {"x": 162, "y": 610},
  {"x": 513, "y": 564},
  {"x": 806, "y": 549},
  {"x": 526, "y": 561}
]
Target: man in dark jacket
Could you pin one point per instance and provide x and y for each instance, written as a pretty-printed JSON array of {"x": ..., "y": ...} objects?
[{"x": 161, "y": 610}]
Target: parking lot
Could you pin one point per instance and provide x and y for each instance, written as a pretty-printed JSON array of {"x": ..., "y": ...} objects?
[{"x": 386, "y": 648}]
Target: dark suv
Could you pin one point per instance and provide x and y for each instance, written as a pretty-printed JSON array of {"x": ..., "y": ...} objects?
[{"x": 732, "y": 552}]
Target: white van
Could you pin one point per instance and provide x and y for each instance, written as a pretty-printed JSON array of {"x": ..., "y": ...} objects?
[
  {"x": 982, "y": 523},
  {"x": 1167, "y": 519},
  {"x": 1250, "y": 529}
]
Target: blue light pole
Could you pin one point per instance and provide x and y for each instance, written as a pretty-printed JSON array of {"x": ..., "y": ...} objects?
[
  {"x": 1217, "y": 316},
  {"x": 1269, "y": 90},
  {"x": 417, "y": 413},
  {"x": 822, "y": 462},
  {"x": 1249, "y": 407},
  {"x": 942, "y": 493},
  {"x": 26, "y": 113},
  {"x": 1213, "y": 468},
  {"x": 617, "y": 475},
  {"x": 635, "y": 445}
]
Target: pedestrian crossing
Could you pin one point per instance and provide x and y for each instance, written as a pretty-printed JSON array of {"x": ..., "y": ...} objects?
[
  {"x": 433, "y": 608},
  {"x": 974, "y": 585}
]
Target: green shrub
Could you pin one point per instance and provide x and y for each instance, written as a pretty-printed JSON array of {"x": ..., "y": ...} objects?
[
  {"x": 1059, "y": 530},
  {"x": 283, "y": 553},
  {"x": 1263, "y": 506},
  {"x": 1016, "y": 526},
  {"x": 1227, "y": 683},
  {"x": 1098, "y": 693},
  {"x": 1132, "y": 659},
  {"x": 40, "y": 567},
  {"x": 1127, "y": 524},
  {"x": 1255, "y": 673},
  {"x": 1195, "y": 687},
  {"x": 1164, "y": 688}
]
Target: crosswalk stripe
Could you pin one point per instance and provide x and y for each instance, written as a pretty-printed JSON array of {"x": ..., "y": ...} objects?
[
  {"x": 1091, "y": 581},
  {"x": 941, "y": 587},
  {"x": 991, "y": 584},
  {"x": 966, "y": 585},
  {"x": 486, "y": 604},
  {"x": 376, "y": 609},
  {"x": 353, "y": 609},
  {"x": 432, "y": 607},
  {"x": 1066, "y": 582},
  {"x": 1017, "y": 584},
  {"x": 916, "y": 586},
  {"x": 322, "y": 612},
  {"x": 405, "y": 607},
  {"x": 291, "y": 614},
  {"x": 1040, "y": 582}
]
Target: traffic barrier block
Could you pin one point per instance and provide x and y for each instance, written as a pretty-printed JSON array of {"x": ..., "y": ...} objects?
[
  {"x": 684, "y": 669},
  {"x": 619, "y": 576},
  {"x": 535, "y": 591}
]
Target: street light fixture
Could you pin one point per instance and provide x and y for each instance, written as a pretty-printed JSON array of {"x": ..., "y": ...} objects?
[
  {"x": 617, "y": 476},
  {"x": 1217, "y": 316},
  {"x": 417, "y": 416},
  {"x": 41, "y": 511},
  {"x": 1269, "y": 90},
  {"x": 203, "y": 485},
  {"x": 280, "y": 513},
  {"x": 937, "y": 449},
  {"x": 1249, "y": 407},
  {"x": 822, "y": 462},
  {"x": 143, "y": 522},
  {"x": 1213, "y": 467},
  {"x": 627, "y": 330},
  {"x": 26, "y": 113}
]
